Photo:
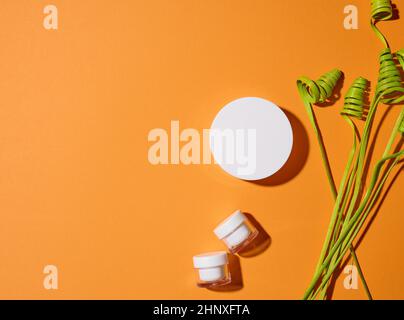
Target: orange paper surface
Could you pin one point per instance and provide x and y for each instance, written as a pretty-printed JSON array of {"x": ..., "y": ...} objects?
[{"x": 76, "y": 105}]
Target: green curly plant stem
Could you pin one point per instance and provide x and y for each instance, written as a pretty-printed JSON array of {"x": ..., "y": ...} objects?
[
  {"x": 348, "y": 220},
  {"x": 347, "y": 229},
  {"x": 381, "y": 11},
  {"x": 318, "y": 92},
  {"x": 389, "y": 83},
  {"x": 351, "y": 199},
  {"x": 353, "y": 106}
]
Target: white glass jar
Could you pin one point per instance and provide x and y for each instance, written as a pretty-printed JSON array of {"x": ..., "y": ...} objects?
[
  {"x": 212, "y": 269},
  {"x": 237, "y": 232}
]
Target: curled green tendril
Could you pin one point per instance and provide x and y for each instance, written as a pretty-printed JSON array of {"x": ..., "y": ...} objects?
[
  {"x": 311, "y": 93},
  {"x": 354, "y": 106},
  {"x": 314, "y": 92},
  {"x": 382, "y": 10},
  {"x": 319, "y": 91},
  {"x": 355, "y": 99},
  {"x": 389, "y": 85}
]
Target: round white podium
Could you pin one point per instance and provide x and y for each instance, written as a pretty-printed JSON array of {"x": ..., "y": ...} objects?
[{"x": 251, "y": 138}]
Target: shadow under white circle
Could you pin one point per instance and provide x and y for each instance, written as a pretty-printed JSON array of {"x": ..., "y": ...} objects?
[{"x": 251, "y": 138}]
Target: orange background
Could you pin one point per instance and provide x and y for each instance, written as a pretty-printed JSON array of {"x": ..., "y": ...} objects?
[{"x": 77, "y": 104}]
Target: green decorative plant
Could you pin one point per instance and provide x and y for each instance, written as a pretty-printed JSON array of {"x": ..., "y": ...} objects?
[{"x": 354, "y": 199}]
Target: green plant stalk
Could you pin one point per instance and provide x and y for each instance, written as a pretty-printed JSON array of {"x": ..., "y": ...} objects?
[
  {"x": 352, "y": 175},
  {"x": 336, "y": 263},
  {"x": 345, "y": 232},
  {"x": 337, "y": 211},
  {"x": 361, "y": 157},
  {"x": 379, "y": 188},
  {"x": 335, "y": 194},
  {"x": 339, "y": 219},
  {"x": 323, "y": 152},
  {"x": 359, "y": 165},
  {"x": 352, "y": 235},
  {"x": 394, "y": 133},
  {"x": 374, "y": 196},
  {"x": 373, "y": 199},
  {"x": 353, "y": 106},
  {"x": 387, "y": 151},
  {"x": 360, "y": 160}
]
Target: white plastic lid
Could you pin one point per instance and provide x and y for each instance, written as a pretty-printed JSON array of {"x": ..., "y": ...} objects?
[
  {"x": 211, "y": 259},
  {"x": 230, "y": 224}
]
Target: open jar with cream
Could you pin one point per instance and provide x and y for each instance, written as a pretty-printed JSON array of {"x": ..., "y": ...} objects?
[
  {"x": 236, "y": 232},
  {"x": 212, "y": 269}
]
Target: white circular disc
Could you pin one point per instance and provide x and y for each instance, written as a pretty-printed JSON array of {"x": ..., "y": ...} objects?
[{"x": 251, "y": 138}]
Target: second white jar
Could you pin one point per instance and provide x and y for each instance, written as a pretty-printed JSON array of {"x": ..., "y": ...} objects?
[{"x": 236, "y": 232}]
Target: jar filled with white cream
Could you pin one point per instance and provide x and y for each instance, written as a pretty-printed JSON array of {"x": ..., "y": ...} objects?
[
  {"x": 237, "y": 232},
  {"x": 212, "y": 269}
]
